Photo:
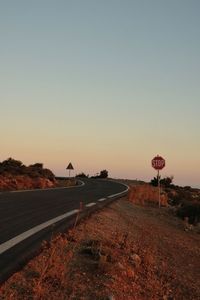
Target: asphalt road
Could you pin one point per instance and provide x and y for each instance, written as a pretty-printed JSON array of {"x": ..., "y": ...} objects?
[{"x": 22, "y": 211}]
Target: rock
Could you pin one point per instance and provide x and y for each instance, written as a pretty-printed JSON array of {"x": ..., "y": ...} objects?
[
  {"x": 135, "y": 259},
  {"x": 103, "y": 258},
  {"x": 187, "y": 225},
  {"x": 120, "y": 266},
  {"x": 130, "y": 272},
  {"x": 110, "y": 297},
  {"x": 22, "y": 182},
  {"x": 93, "y": 248}
]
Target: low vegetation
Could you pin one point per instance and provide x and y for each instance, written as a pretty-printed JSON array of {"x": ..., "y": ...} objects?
[
  {"x": 15, "y": 175},
  {"x": 185, "y": 200},
  {"x": 16, "y": 167},
  {"x": 82, "y": 175},
  {"x": 103, "y": 174},
  {"x": 124, "y": 252}
]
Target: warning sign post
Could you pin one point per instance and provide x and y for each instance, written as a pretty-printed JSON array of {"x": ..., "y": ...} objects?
[{"x": 70, "y": 167}]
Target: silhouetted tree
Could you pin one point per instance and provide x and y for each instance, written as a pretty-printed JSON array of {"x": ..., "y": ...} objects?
[
  {"x": 103, "y": 174},
  {"x": 166, "y": 182},
  {"x": 82, "y": 175},
  {"x": 11, "y": 166}
]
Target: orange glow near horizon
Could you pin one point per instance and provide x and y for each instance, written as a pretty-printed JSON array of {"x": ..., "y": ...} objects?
[{"x": 107, "y": 94}]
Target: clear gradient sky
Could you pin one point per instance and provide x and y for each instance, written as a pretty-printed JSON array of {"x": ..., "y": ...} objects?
[{"x": 105, "y": 84}]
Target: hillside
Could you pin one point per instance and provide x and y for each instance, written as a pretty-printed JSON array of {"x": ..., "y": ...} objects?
[
  {"x": 14, "y": 175},
  {"x": 124, "y": 252}
]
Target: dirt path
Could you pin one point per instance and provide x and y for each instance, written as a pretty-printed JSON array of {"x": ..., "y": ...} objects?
[{"x": 123, "y": 252}]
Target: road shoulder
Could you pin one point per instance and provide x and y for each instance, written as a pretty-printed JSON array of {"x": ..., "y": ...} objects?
[{"x": 124, "y": 251}]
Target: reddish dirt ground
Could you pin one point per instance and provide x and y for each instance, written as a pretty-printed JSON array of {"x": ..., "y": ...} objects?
[{"x": 123, "y": 252}]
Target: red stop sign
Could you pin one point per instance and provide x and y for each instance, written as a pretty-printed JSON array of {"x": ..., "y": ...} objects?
[{"x": 158, "y": 163}]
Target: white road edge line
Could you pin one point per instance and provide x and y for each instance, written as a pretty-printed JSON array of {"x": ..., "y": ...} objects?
[
  {"x": 19, "y": 238},
  {"x": 102, "y": 199},
  {"x": 121, "y": 193},
  {"x": 90, "y": 204},
  {"x": 118, "y": 194}
]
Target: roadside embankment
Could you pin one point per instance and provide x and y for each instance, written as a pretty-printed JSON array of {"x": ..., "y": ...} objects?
[
  {"x": 11, "y": 182},
  {"x": 14, "y": 175},
  {"x": 145, "y": 194},
  {"x": 123, "y": 252}
]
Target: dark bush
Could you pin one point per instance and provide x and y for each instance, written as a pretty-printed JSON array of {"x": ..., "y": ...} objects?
[
  {"x": 37, "y": 166},
  {"x": 82, "y": 175},
  {"x": 103, "y": 174},
  {"x": 11, "y": 166},
  {"x": 187, "y": 188},
  {"x": 165, "y": 182},
  {"x": 16, "y": 167},
  {"x": 47, "y": 174},
  {"x": 179, "y": 195},
  {"x": 191, "y": 210}
]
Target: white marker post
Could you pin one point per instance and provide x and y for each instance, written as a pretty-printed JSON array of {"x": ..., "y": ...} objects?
[{"x": 158, "y": 163}]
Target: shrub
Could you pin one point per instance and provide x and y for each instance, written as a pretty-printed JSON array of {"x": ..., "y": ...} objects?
[
  {"x": 165, "y": 182},
  {"x": 11, "y": 166},
  {"x": 191, "y": 210},
  {"x": 103, "y": 174},
  {"x": 16, "y": 167},
  {"x": 82, "y": 175}
]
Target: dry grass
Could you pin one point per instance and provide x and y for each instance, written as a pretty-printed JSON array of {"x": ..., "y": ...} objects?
[
  {"x": 66, "y": 182},
  {"x": 124, "y": 252}
]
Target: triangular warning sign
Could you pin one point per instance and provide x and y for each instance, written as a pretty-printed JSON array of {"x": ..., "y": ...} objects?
[{"x": 70, "y": 167}]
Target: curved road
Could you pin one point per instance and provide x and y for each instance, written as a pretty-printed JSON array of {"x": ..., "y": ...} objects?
[{"x": 22, "y": 211}]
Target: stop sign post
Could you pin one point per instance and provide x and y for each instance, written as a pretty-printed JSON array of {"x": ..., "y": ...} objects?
[{"x": 158, "y": 163}]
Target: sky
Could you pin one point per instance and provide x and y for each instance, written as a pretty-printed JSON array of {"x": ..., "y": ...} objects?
[{"x": 103, "y": 84}]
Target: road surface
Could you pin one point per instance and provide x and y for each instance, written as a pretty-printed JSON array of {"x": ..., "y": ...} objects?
[{"x": 25, "y": 217}]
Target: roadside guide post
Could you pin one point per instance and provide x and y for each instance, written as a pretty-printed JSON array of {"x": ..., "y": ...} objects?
[
  {"x": 70, "y": 167},
  {"x": 158, "y": 163}
]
